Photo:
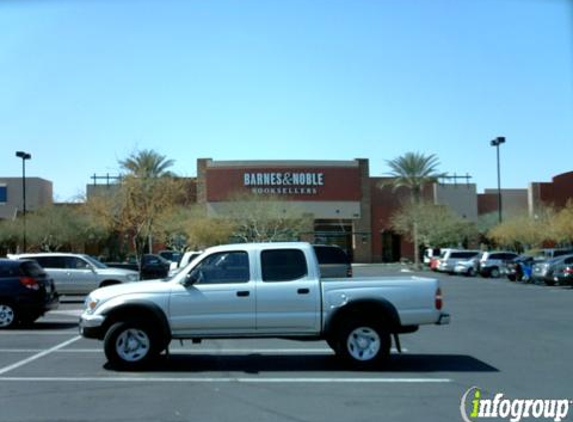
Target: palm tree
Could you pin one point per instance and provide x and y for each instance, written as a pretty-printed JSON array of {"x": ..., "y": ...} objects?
[
  {"x": 147, "y": 172},
  {"x": 413, "y": 171},
  {"x": 147, "y": 164}
]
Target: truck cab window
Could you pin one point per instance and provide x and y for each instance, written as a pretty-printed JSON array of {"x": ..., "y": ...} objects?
[
  {"x": 283, "y": 265},
  {"x": 226, "y": 267}
]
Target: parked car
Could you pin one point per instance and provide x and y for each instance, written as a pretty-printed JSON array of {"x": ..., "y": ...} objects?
[
  {"x": 520, "y": 268},
  {"x": 333, "y": 261},
  {"x": 152, "y": 266},
  {"x": 493, "y": 264},
  {"x": 563, "y": 275},
  {"x": 171, "y": 256},
  {"x": 550, "y": 253},
  {"x": 260, "y": 291},
  {"x": 78, "y": 273},
  {"x": 544, "y": 270},
  {"x": 468, "y": 267},
  {"x": 429, "y": 254},
  {"x": 450, "y": 257},
  {"x": 185, "y": 260},
  {"x": 26, "y": 292}
]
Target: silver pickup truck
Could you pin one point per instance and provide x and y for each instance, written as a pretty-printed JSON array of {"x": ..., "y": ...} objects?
[{"x": 258, "y": 291}]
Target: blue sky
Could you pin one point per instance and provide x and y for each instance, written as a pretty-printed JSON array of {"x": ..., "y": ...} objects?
[{"x": 85, "y": 83}]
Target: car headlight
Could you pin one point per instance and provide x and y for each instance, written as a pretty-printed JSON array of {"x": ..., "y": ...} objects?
[
  {"x": 132, "y": 277},
  {"x": 90, "y": 305}
]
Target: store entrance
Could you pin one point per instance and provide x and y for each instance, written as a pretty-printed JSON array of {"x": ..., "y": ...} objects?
[
  {"x": 391, "y": 243},
  {"x": 337, "y": 233}
]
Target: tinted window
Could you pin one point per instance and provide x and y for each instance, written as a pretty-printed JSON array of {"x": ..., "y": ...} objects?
[
  {"x": 224, "y": 267},
  {"x": 9, "y": 269},
  {"x": 330, "y": 255},
  {"x": 76, "y": 263},
  {"x": 283, "y": 265},
  {"x": 562, "y": 252},
  {"x": 31, "y": 269},
  {"x": 152, "y": 260},
  {"x": 462, "y": 255},
  {"x": 50, "y": 261}
]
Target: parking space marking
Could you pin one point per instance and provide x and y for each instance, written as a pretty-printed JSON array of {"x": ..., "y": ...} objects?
[
  {"x": 67, "y": 312},
  {"x": 38, "y": 333},
  {"x": 38, "y": 355},
  {"x": 251, "y": 380}
]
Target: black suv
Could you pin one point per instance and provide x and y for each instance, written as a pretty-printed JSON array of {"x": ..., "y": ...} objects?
[
  {"x": 153, "y": 266},
  {"x": 26, "y": 292}
]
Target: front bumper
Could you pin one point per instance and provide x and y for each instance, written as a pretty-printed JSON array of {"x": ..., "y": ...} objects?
[
  {"x": 91, "y": 326},
  {"x": 459, "y": 269}
]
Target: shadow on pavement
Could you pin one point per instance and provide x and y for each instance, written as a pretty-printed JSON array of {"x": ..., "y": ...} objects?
[
  {"x": 47, "y": 325},
  {"x": 256, "y": 363}
]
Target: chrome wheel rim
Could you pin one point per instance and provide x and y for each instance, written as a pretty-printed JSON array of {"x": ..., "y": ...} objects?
[
  {"x": 6, "y": 315},
  {"x": 132, "y": 345},
  {"x": 363, "y": 344}
]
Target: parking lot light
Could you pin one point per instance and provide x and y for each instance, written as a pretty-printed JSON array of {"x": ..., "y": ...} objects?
[
  {"x": 496, "y": 143},
  {"x": 24, "y": 156}
]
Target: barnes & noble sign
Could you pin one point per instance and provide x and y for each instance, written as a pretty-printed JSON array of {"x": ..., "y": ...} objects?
[{"x": 283, "y": 183}]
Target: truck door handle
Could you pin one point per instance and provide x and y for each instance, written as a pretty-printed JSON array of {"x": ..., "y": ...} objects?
[
  {"x": 303, "y": 291},
  {"x": 243, "y": 293}
]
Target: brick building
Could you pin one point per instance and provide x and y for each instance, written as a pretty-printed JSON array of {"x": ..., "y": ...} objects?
[{"x": 348, "y": 206}]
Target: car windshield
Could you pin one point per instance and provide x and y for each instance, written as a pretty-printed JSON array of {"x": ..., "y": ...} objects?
[{"x": 94, "y": 262}]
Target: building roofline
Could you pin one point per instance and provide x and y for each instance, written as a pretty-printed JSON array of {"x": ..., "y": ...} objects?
[{"x": 281, "y": 164}]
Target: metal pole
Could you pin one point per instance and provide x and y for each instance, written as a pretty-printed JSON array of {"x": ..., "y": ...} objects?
[
  {"x": 24, "y": 199},
  {"x": 499, "y": 207}
]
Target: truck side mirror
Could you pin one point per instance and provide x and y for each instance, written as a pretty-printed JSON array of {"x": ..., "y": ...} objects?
[{"x": 192, "y": 277}]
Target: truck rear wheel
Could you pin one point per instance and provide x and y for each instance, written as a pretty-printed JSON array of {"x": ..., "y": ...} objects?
[
  {"x": 131, "y": 344},
  {"x": 363, "y": 344}
]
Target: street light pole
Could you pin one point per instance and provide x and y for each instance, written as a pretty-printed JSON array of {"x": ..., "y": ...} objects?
[
  {"x": 24, "y": 156},
  {"x": 496, "y": 143}
]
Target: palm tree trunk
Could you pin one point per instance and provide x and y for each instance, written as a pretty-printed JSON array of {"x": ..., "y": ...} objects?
[{"x": 416, "y": 246}]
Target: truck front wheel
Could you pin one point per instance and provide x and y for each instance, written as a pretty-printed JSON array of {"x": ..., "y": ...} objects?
[
  {"x": 364, "y": 344},
  {"x": 131, "y": 344}
]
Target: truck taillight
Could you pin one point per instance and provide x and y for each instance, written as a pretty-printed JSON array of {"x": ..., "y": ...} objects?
[
  {"x": 29, "y": 283},
  {"x": 439, "y": 300},
  {"x": 568, "y": 270}
]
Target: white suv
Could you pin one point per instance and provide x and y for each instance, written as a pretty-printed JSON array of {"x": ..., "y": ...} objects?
[
  {"x": 78, "y": 273},
  {"x": 449, "y": 259},
  {"x": 493, "y": 264}
]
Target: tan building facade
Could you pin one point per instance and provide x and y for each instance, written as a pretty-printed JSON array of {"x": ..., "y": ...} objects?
[{"x": 39, "y": 193}]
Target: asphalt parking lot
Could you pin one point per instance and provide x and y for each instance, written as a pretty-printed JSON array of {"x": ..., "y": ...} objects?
[{"x": 504, "y": 338}]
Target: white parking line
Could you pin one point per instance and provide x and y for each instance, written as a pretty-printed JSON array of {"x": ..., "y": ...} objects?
[
  {"x": 67, "y": 312},
  {"x": 252, "y": 380},
  {"x": 38, "y": 333},
  {"x": 38, "y": 355}
]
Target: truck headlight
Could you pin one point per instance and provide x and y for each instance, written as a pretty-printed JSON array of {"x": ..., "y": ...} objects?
[{"x": 90, "y": 305}]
